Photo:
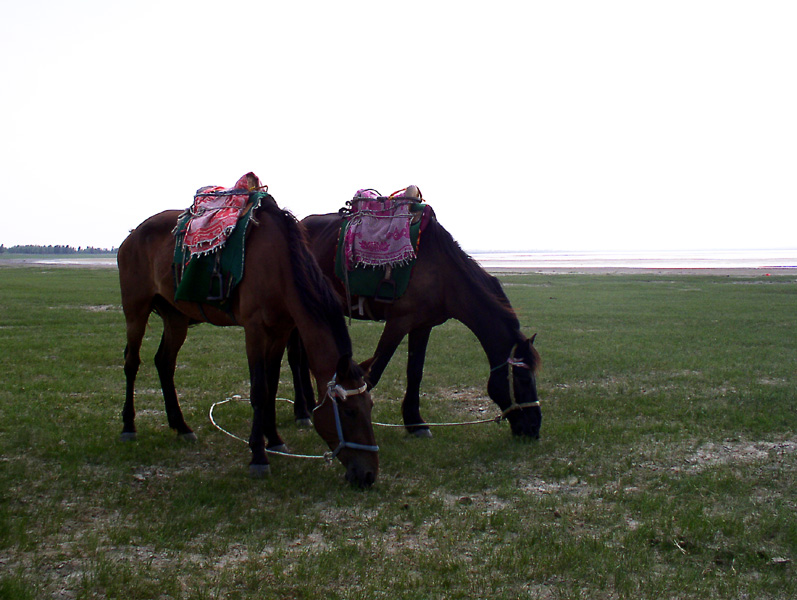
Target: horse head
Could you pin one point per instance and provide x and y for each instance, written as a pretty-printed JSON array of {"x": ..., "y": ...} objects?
[
  {"x": 521, "y": 406},
  {"x": 343, "y": 419}
]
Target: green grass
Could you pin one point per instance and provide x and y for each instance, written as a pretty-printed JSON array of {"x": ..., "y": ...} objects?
[{"x": 666, "y": 466}]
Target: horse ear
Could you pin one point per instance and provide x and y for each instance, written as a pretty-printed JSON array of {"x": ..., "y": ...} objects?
[
  {"x": 366, "y": 365},
  {"x": 524, "y": 347},
  {"x": 531, "y": 339}
]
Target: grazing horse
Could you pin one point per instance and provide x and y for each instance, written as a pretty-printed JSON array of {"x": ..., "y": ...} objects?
[
  {"x": 282, "y": 288},
  {"x": 446, "y": 283}
]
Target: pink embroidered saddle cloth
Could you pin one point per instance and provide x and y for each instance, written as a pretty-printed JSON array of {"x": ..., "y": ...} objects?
[
  {"x": 379, "y": 228},
  {"x": 215, "y": 213}
]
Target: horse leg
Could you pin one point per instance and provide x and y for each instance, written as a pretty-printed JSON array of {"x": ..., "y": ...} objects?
[
  {"x": 273, "y": 364},
  {"x": 257, "y": 396},
  {"x": 175, "y": 329},
  {"x": 390, "y": 339},
  {"x": 135, "y": 334},
  {"x": 410, "y": 408},
  {"x": 304, "y": 400},
  {"x": 264, "y": 365}
]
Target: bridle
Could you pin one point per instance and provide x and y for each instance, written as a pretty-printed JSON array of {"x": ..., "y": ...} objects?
[
  {"x": 514, "y": 404},
  {"x": 334, "y": 391}
]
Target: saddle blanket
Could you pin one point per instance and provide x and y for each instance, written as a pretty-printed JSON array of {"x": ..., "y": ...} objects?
[
  {"x": 209, "y": 276},
  {"x": 369, "y": 280},
  {"x": 215, "y": 213},
  {"x": 378, "y": 234}
]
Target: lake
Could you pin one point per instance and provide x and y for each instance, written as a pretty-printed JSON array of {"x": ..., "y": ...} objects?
[{"x": 564, "y": 260}]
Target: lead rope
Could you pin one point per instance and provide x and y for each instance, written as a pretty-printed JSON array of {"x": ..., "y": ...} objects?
[
  {"x": 232, "y": 435},
  {"x": 513, "y": 362},
  {"x": 333, "y": 390}
]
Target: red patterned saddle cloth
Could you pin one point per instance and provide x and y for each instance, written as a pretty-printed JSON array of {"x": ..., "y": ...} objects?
[{"x": 215, "y": 213}]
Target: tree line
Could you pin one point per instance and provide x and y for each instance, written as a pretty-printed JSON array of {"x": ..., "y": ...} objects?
[{"x": 32, "y": 249}]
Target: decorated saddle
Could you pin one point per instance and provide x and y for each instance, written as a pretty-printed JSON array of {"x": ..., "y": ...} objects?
[
  {"x": 378, "y": 240},
  {"x": 210, "y": 238}
]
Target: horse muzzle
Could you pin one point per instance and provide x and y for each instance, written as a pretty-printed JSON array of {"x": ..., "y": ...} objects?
[{"x": 362, "y": 473}]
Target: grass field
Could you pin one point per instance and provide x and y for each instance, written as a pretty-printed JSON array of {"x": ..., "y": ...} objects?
[{"x": 667, "y": 466}]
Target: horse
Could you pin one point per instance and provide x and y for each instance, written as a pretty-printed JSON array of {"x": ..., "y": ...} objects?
[
  {"x": 282, "y": 289},
  {"x": 446, "y": 283}
]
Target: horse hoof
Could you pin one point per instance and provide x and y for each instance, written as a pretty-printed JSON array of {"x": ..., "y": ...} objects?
[
  {"x": 259, "y": 471},
  {"x": 188, "y": 437},
  {"x": 304, "y": 423},
  {"x": 280, "y": 448},
  {"x": 128, "y": 436},
  {"x": 422, "y": 433}
]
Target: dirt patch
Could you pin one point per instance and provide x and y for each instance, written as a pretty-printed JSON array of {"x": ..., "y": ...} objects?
[
  {"x": 483, "y": 502},
  {"x": 88, "y": 307},
  {"x": 573, "y": 486},
  {"x": 713, "y": 454},
  {"x": 470, "y": 400},
  {"x": 102, "y": 308}
]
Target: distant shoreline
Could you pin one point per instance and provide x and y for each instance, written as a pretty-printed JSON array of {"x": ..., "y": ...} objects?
[{"x": 510, "y": 267}]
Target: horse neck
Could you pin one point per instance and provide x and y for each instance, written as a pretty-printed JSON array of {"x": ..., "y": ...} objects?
[
  {"x": 496, "y": 331},
  {"x": 323, "y": 343},
  {"x": 320, "y": 346}
]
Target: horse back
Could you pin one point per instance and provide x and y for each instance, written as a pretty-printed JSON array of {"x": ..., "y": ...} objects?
[{"x": 145, "y": 258}]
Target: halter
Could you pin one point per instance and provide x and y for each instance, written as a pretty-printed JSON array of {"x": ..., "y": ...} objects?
[
  {"x": 334, "y": 390},
  {"x": 514, "y": 405}
]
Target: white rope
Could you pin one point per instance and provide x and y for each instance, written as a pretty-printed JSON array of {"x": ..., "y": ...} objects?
[
  {"x": 497, "y": 419},
  {"x": 325, "y": 456},
  {"x": 493, "y": 420}
]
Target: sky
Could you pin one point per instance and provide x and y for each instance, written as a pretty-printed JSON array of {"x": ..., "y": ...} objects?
[{"x": 527, "y": 125}]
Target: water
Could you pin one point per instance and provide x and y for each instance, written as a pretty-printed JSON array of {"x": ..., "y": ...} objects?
[
  {"x": 75, "y": 262},
  {"x": 561, "y": 260},
  {"x": 674, "y": 259}
]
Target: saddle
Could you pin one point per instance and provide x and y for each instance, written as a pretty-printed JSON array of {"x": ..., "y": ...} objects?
[
  {"x": 378, "y": 232},
  {"x": 215, "y": 214},
  {"x": 378, "y": 239},
  {"x": 210, "y": 239}
]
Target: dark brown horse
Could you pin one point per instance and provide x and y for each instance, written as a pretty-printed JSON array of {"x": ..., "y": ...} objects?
[
  {"x": 446, "y": 284},
  {"x": 282, "y": 289}
]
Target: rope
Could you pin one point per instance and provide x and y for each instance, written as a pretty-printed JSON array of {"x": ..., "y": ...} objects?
[
  {"x": 497, "y": 419},
  {"x": 327, "y": 455}
]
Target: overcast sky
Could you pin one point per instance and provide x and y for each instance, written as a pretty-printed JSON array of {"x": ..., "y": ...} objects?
[{"x": 527, "y": 125}]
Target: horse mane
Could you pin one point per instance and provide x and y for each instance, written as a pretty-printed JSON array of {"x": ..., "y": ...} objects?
[
  {"x": 315, "y": 292},
  {"x": 485, "y": 284}
]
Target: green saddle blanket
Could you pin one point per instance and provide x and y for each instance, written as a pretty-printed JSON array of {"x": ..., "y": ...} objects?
[
  {"x": 371, "y": 281},
  {"x": 211, "y": 278}
]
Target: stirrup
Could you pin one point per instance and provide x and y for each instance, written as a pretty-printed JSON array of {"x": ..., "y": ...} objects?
[
  {"x": 386, "y": 291},
  {"x": 389, "y": 284}
]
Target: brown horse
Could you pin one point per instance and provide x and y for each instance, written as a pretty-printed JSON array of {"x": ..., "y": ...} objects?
[
  {"x": 446, "y": 283},
  {"x": 282, "y": 289}
]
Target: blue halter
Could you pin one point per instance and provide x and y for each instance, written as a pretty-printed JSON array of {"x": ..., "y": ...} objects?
[{"x": 337, "y": 391}]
